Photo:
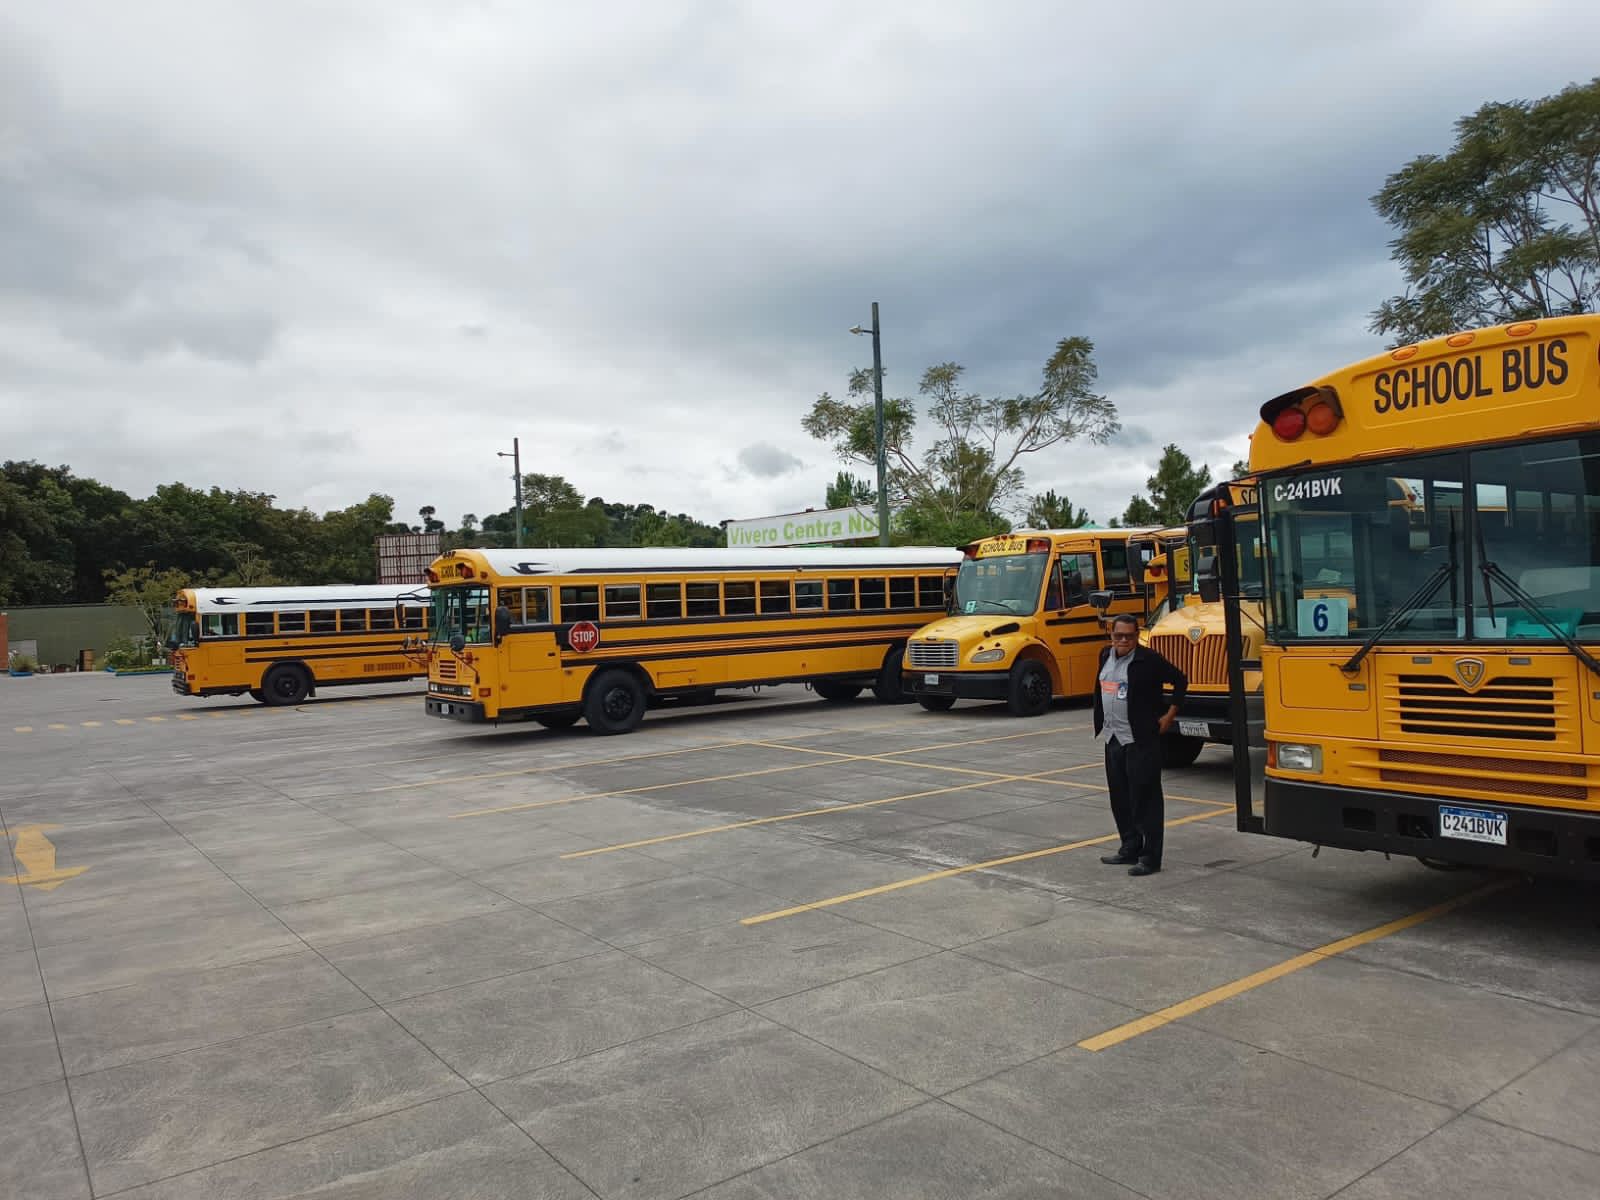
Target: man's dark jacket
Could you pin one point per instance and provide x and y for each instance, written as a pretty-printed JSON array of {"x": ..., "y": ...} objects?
[{"x": 1148, "y": 674}]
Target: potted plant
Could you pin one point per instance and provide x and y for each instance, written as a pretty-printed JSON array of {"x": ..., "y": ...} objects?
[{"x": 22, "y": 664}]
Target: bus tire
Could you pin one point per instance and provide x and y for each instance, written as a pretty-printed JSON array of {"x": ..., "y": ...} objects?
[
  {"x": 286, "y": 684},
  {"x": 887, "y": 687},
  {"x": 937, "y": 703},
  {"x": 560, "y": 720},
  {"x": 1029, "y": 694},
  {"x": 614, "y": 703},
  {"x": 834, "y": 691},
  {"x": 258, "y": 695},
  {"x": 1180, "y": 751}
]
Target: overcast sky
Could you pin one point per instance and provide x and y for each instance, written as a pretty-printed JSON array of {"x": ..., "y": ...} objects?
[{"x": 327, "y": 249}]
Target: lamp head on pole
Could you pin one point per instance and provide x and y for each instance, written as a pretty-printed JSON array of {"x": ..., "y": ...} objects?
[{"x": 856, "y": 329}]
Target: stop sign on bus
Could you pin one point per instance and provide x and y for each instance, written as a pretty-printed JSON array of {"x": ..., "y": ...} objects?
[{"x": 583, "y": 637}]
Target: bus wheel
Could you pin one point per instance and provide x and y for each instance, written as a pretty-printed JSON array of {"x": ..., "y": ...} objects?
[
  {"x": 1180, "y": 751},
  {"x": 285, "y": 685},
  {"x": 937, "y": 703},
  {"x": 615, "y": 703},
  {"x": 887, "y": 688},
  {"x": 1030, "y": 689},
  {"x": 258, "y": 695},
  {"x": 833, "y": 690},
  {"x": 564, "y": 720}
]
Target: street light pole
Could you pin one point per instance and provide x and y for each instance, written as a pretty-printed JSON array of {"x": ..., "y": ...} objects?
[
  {"x": 516, "y": 478},
  {"x": 877, "y": 424}
]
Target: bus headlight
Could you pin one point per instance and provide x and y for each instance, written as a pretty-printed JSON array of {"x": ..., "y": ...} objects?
[
  {"x": 1292, "y": 756},
  {"x": 993, "y": 654}
]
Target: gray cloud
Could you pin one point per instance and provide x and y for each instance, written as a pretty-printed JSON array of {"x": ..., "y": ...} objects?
[{"x": 637, "y": 241}]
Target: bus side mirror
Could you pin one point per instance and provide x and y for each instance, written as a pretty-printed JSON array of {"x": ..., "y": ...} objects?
[
  {"x": 502, "y": 623},
  {"x": 1205, "y": 578},
  {"x": 458, "y": 642},
  {"x": 1100, "y": 602}
]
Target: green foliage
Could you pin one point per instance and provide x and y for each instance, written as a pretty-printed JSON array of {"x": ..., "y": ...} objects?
[
  {"x": 554, "y": 513},
  {"x": 1240, "y": 469},
  {"x": 130, "y": 654},
  {"x": 971, "y": 472},
  {"x": 147, "y": 589},
  {"x": 1504, "y": 227},
  {"x": 1172, "y": 489},
  {"x": 1049, "y": 511},
  {"x": 22, "y": 662},
  {"x": 846, "y": 491}
]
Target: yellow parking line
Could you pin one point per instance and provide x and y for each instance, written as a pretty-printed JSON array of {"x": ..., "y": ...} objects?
[
  {"x": 91, "y": 724},
  {"x": 22, "y": 729},
  {"x": 1289, "y": 966},
  {"x": 188, "y": 717},
  {"x": 216, "y": 716},
  {"x": 794, "y": 816},
  {"x": 125, "y": 721},
  {"x": 155, "y": 718},
  {"x": 946, "y": 874},
  {"x": 56, "y": 726},
  {"x": 1100, "y": 787}
]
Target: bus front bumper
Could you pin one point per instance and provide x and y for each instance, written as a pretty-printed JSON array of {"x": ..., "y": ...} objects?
[
  {"x": 963, "y": 685},
  {"x": 1208, "y": 716},
  {"x": 1540, "y": 841},
  {"x": 452, "y": 709}
]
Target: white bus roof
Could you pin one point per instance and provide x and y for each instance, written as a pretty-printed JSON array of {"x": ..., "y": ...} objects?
[
  {"x": 660, "y": 559},
  {"x": 351, "y": 595}
]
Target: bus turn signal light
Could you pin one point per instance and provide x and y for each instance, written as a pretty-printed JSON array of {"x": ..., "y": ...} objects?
[{"x": 1322, "y": 418}]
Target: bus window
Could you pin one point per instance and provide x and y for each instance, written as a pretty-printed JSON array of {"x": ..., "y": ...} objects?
[
  {"x": 902, "y": 592},
  {"x": 411, "y": 618},
  {"x": 291, "y": 622},
  {"x": 1053, "y": 590},
  {"x": 622, "y": 602},
  {"x": 529, "y": 606},
  {"x": 353, "y": 620},
  {"x": 1114, "y": 558},
  {"x": 580, "y": 603},
  {"x": 380, "y": 618},
  {"x": 219, "y": 625},
  {"x": 808, "y": 593},
  {"x": 841, "y": 594},
  {"x": 663, "y": 600},
  {"x": 258, "y": 624},
  {"x": 873, "y": 593},
  {"x": 774, "y": 595},
  {"x": 704, "y": 599},
  {"x": 739, "y": 597},
  {"x": 930, "y": 591}
]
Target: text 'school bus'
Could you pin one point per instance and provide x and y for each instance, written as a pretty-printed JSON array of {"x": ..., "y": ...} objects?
[
  {"x": 1022, "y": 627},
  {"x": 282, "y": 643},
  {"x": 1189, "y": 632},
  {"x": 1431, "y": 526},
  {"x": 555, "y": 635}
]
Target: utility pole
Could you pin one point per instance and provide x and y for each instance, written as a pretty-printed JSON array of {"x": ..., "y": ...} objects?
[
  {"x": 877, "y": 421},
  {"x": 516, "y": 478}
]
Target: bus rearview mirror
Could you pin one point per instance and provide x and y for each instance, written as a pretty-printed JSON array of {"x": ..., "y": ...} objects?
[{"x": 1100, "y": 602}]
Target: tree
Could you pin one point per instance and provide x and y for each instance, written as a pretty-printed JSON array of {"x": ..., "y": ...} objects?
[
  {"x": 1506, "y": 226},
  {"x": 846, "y": 491},
  {"x": 149, "y": 590},
  {"x": 1049, "y": 511},
  {"x": 430, "y": 523},
  {"x": 1172, "y": 489},
  {"x": 971, "y": 471},
  {"x": 1240, "y": 469}
]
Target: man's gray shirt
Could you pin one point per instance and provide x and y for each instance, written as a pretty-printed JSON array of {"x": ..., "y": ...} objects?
[{"x": 1114, "y": 698}]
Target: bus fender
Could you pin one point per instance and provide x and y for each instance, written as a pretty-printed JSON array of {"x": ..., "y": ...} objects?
[{"x": 1039, "y": 653}]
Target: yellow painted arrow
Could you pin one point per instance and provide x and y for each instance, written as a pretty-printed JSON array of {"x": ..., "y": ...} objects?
[{"x": 37, "y": 854}]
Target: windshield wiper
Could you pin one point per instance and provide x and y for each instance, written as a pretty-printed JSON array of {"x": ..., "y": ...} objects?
[
  {"x": 1424, "y": 593},
  {"x": 1492, "y": 572}
]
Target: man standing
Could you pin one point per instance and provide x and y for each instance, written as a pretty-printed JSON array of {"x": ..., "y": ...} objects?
[{"x": 1129, "y": 720}]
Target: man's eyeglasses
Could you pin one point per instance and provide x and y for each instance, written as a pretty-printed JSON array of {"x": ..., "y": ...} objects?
[{"x": 1123, "y": 637}]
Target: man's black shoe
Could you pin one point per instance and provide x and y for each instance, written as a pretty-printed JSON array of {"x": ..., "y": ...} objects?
[
  {"x": 1142, "y": 869},
  {"x": 1118, "y": 860}
]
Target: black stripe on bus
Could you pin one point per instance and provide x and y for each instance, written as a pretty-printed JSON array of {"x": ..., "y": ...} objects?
[{"x": 596, "y": 660}]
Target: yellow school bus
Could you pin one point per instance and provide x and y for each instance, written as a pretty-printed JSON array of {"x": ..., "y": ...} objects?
[
  {"x": 280, "y": 644},
  {"x": 1022, "y": 627},
  {"x": 1432, "y": 602},
  {"x": 559, "y": 635},
  {"x": 1159, "y": 564},
  {"x": 1190, "y": 632}
]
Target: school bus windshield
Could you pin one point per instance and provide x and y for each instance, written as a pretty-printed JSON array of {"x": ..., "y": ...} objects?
[
  {"x": 464, "y": 611},
  {"x": 1006, "y": 583}
]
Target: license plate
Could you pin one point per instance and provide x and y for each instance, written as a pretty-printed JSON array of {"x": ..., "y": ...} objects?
[
  {"x": 1472, "y": 824},
  {"x": 1199, "y": 729},
  {"x": 930, "y": 680}
]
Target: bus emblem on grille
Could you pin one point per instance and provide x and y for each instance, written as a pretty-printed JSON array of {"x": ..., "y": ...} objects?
[
  {"x": 1196, "y": 632},
  {"x": 1470, "y": 672}
]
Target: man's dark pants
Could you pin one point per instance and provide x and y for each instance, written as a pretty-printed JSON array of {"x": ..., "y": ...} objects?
[{"x": 1133, "y": 774}]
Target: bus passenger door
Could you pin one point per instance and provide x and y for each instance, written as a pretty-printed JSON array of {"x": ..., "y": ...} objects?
[{"x": 1072, "y": 626}]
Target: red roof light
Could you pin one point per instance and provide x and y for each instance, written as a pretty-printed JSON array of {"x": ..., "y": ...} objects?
[{"x": 1289, "y": 424}]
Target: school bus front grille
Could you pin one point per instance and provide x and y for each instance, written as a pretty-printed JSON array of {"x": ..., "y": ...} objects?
[
  {"x": 932, "y": 655},
  {"x": 1205, "y": 662},
  {"x": 1511, "y": 707},
  {"x": 1509, "y": 777},
  {"x": 447, "y": 668}
]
